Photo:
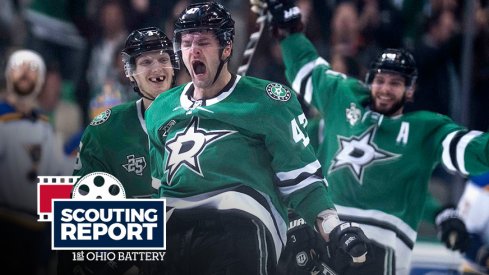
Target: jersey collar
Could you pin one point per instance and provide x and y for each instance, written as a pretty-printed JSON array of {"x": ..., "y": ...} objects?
[{"x": 188, "y": 103}]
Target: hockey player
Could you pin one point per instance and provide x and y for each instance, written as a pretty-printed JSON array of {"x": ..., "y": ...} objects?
[
  {"x": 231, "y": 155},
  {"x": 378, "y": 160},
  {"x": 473, "y": 207},
  {"x": 28, "y": 148},
  {"x": 116, "y": 141}
]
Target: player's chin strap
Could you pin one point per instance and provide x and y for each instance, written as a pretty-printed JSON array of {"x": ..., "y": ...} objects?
[
  {"x": 221, "y": 64},
  {"x": 139, "y": 92}
]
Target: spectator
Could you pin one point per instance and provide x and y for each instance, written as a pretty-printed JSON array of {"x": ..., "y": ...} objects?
[{"x": 28, "y": 148}]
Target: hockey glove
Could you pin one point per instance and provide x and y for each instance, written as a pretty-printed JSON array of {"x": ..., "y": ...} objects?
[
  {"x": 285, "y": 13},
  {"x": 451, "y": 230},
  {"x": 348, "y": 246},
  {"x": 302, "y": 252}
]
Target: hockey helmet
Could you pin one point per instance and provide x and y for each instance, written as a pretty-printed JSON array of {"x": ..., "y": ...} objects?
[
  {"x": 207, "y": 16},
  {"x": 397, "y": 61},
  {"x": 145, "y": 40}
]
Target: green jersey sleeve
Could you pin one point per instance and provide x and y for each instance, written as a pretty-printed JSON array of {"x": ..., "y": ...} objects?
[
  {"x": 311, "y": 76},
  {"x": 300, "y": 179},
  {"x": 89, "y": 158}
]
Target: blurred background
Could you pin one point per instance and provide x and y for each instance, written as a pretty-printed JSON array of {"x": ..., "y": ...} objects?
[{"x": 81, "y": 41}]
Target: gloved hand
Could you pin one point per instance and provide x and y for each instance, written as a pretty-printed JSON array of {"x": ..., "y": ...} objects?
[
  {"x": 451, "y": 229},
  {"x": 348, "y": 246},
  {"x": 285, "y": 15},
  {"x": 303, "y": 251}
]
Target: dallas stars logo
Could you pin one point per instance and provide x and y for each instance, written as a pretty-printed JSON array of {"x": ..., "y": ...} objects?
[
  {"x": 186, "y": 147},
  {"x": 357, "y": 153}
]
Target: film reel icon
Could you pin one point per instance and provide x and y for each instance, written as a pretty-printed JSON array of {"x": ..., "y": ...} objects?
[{"x": 98, "y": 185}]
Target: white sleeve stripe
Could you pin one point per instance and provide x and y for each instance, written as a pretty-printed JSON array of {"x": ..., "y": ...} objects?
[
  {"x": 311, "y": 168},
  {"x": 461, "y": 146},
  {"x": 305, "y": 70},
  {"x": 287, "y": 190},
  {"x": 447, "y": 161},
  {"x": 308, "y": 91}
]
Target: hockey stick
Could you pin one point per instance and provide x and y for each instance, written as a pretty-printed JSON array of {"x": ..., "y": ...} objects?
[{"x": 250, "y": 49}]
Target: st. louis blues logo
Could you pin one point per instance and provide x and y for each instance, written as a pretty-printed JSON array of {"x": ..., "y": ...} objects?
[{"x": 185, "y": 148}]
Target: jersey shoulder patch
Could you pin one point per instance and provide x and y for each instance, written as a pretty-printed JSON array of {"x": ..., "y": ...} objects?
[
  {"x": 278, "y": 91},
  {"x": 101, "y": 118}
]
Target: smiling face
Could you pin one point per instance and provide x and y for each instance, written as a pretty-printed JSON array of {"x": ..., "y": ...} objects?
[
  {"x": 389, "y": 93},
  {"x": 153, "y": 72},
  {"x": 201, "y": 54}
]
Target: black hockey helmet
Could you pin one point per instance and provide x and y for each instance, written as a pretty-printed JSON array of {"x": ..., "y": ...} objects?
[
  {"x": 146, "y": 40},
  {"x": 206, "y": 16},
  {"x": 396, "y": 61}
]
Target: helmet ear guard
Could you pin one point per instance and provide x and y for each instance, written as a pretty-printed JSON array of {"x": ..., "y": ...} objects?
[{"x": 397, "y": 61}]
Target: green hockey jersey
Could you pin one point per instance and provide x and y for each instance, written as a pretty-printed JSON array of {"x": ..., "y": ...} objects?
[
  {"x": 116, "y": 142},
  {"x": 378, "y": 167},
  {"x": 245, "y": 149}
]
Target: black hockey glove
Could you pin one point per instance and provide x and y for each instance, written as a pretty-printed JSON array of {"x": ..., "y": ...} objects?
[
  {"x": 303, "y": 250},
  {"x": 348, "y": 246},
  {"x": 285, "y": 13},
  {"x": 451, "y": 230}
]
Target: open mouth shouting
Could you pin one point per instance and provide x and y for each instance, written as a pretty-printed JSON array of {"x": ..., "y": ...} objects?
[{"x": 198, "y": 67}]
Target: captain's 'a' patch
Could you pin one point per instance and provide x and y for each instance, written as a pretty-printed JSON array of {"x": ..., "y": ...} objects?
[
  {"x": 278, "y": 92},
  {"x": 101, "y": 118}
]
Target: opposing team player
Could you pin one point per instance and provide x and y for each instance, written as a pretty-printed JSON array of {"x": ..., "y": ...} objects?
[
  {"x": 473, "y": 207},
  {"x": 231, "y": 154},
  {"x": 378, "y": 159},
  {"x": 28, "y": 148},
  {"x": 116, "y": 141}
]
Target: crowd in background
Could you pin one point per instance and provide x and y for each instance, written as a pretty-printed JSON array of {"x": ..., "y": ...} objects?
[{"x": 81, "y": 43}]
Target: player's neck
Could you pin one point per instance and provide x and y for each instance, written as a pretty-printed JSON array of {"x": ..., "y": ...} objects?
[{"x": 214, "y": 89}]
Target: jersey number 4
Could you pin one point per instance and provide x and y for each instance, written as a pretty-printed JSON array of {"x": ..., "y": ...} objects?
[{"x": 297, "y": 132}]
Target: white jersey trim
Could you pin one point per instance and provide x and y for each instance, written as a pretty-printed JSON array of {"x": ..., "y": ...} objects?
[
  {"x": 139, "y": 107},
  {"x": 287, "y": 190},
  {"x": 187, "y": 104},
  {"x": 311, "y": 168},
  {"x": 155, "y": 183},
  {"x": 461, "y": 146},
  {"x": 379, "y": 216},
  {"x": 303, "y": 72},
  {"x": 447, "y": 161},
  {"x": 229, "y": 199}
]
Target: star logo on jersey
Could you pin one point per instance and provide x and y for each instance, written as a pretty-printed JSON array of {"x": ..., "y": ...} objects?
[
  {"x": 278, "y": 92},
  {"x": 357, "y": 153},
  {"x": 185, "y": 148}
]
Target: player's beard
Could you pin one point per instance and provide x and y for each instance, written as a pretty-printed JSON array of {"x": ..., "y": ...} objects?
[
  {"x": 23, "y": 86},
  {"x": 392, "y": 110}
]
